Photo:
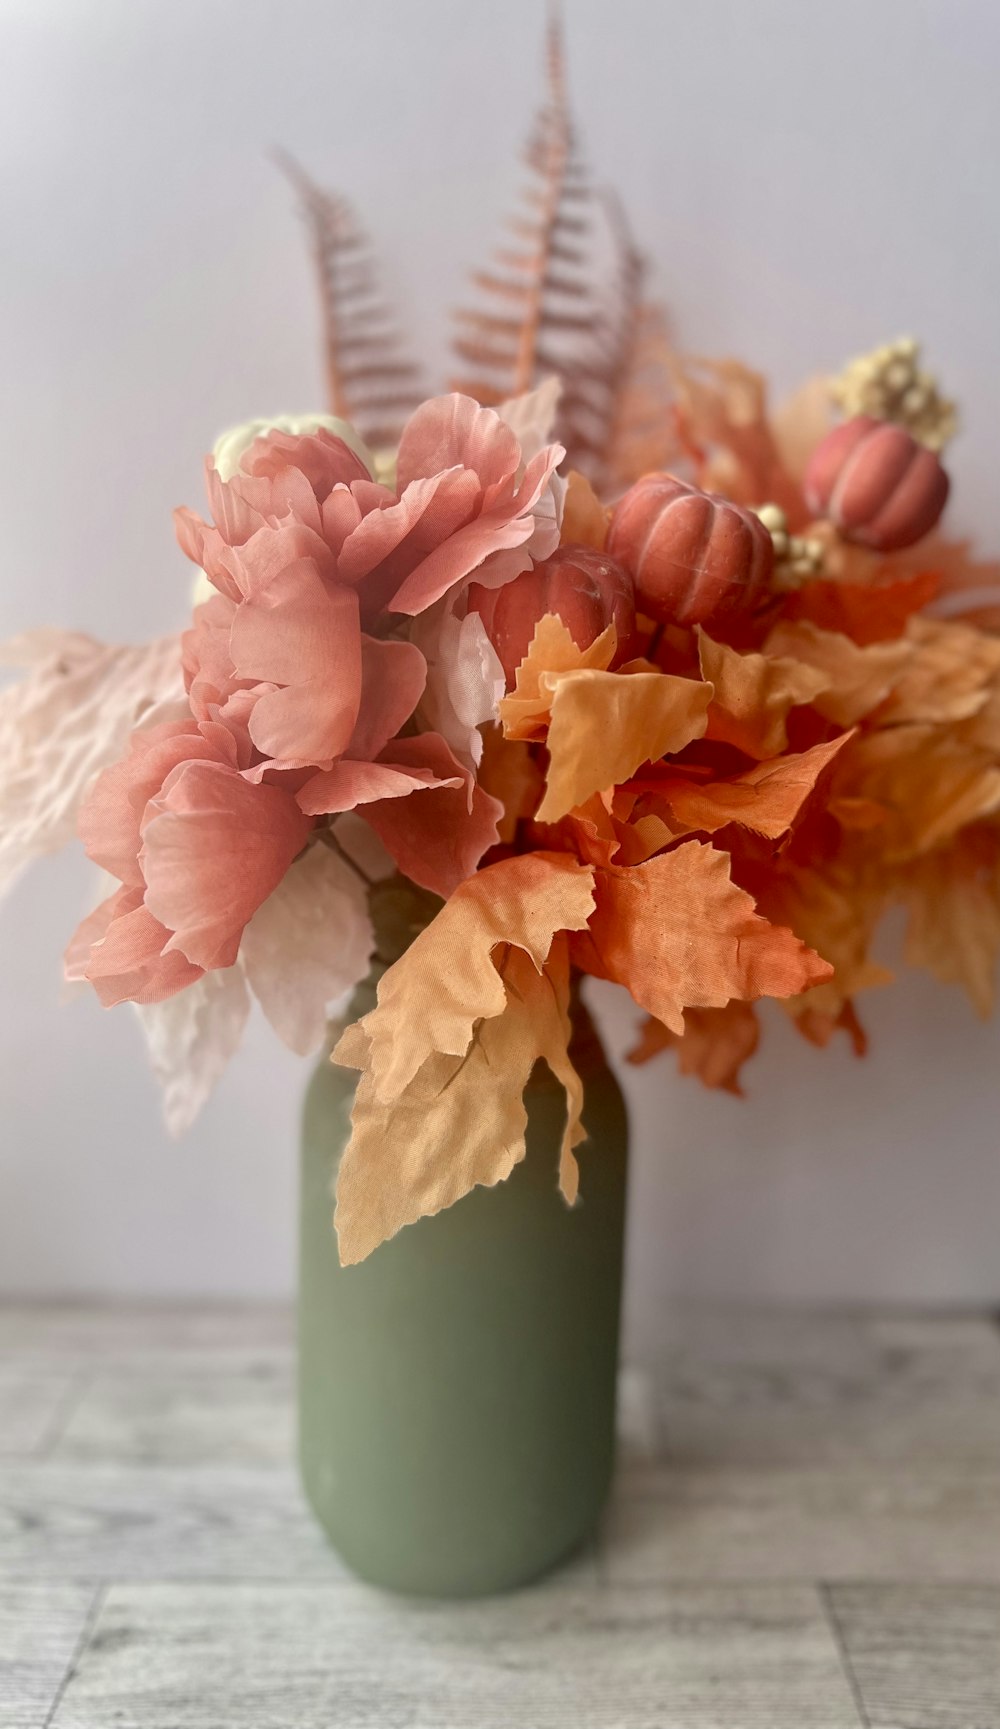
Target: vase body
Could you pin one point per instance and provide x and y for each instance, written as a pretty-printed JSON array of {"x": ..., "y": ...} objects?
[{"x": 457, "y": 1388}]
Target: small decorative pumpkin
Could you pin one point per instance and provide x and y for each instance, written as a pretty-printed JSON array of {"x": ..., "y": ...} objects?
[
  {"x": 585, "y": 588},
  {"x": 876, "y": 483},
  {"x": 693, "y": 556}
]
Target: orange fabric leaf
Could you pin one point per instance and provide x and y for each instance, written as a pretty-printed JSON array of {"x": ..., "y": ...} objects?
[
  {"x": 510, "y": 774},
  {"x": 858, "y": 679},
  {"x": 605, "y": 725},
  {"x": 835, "y": 910},
  {"x": 714, "y": 1045},
  {"x": 590, "y": 832},
  {"x": 929, "y": 784},
  {"x": 585, "y": 519},
  {"x": 640, "y": 837},
  {"x": 461, "y": 1120},
  {"x": 679, "y": 934},
  {"x": 767, "y": 798},
  {"x": 949, "y": 676},
  {"x": 867, "y": 612},
  {"x": 953, "y": 897},
  {"x": 819, "y": 1028},
  {"x": 552, "y": 651},
  {"x": 430, "y": 1000},
  {"x": 754, "y": 694}
]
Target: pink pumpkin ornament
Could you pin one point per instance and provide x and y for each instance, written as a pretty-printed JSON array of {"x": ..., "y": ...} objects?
[
  {"x": 876, "y": 483},
  {"x": 585, "y": 588},
  {"x": 692, "y": 555}
]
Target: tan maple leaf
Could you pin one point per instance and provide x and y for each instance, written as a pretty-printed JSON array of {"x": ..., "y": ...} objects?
[
  {"x": 858, "y": 680},
  {"x": 551, "y": 652},
  {"x": 461, "y": 1120},
  {"x": 754, "y": 695}
]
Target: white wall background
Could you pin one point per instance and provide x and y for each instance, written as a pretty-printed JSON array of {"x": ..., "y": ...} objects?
[{"x": 811, "y": 179}]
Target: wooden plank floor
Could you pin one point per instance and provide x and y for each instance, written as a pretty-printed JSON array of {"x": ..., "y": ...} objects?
[{"x": 805, "y": 1534}]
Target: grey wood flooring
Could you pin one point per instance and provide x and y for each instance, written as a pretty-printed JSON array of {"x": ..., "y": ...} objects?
[{"x": 805, "y": 1534}]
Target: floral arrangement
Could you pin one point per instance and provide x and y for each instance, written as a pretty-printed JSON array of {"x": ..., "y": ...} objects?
[{"x": 631, "y": 677}]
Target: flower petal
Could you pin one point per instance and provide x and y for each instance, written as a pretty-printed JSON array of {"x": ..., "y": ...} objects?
[
  {"x": 349, "y": 785},
  {"x": 393, "y": 676},
  {"x": 454, "y": 431},
  {"x": 132, "y": 961},
  {"x": 214, "y": 847},
  {"x": 438, "y": 835},
  {"x": 303, "y": 636},
  {"x": 465, "y": 680}
]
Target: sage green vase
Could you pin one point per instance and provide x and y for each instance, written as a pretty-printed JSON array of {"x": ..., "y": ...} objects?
[{"x": 457, "y": 1389}]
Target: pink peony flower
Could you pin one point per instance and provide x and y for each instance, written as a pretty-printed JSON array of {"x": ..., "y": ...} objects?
[
  {"x": 462, "y": 497},
  {"x": 197, "y": 847},
  {"x": 307, "y": 551},
  {"x": 297, "y": 695}
]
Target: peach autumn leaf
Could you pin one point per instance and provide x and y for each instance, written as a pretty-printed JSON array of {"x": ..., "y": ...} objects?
[
  {"x": 724, "y": 422},
  {"x": 714, "y": 1045},
  {"x": 929, "y": 783},
  {"x": 430, "y": 1001},
  {"x": 461, "y": 1120},
  {"x": 754, "y": 695},
  {"x": 835, "y": 907},
  {"x": 679, "y": 934},
  {"x": 552, "y": 650},
  {"x": 875, "y": 610},
  {"x": 585, "y": 518},
  {"x": 819, "y": 1027},
  {"x": 766, "y": 798},
  {"x": 510, "y": 774},
  {"x": 953, "y": 897},
  {"x": 950, "y": 675},
  {"x": 800, "y": 421},
  {"x": 858, "y": 680},
  {"x": 605, "y": 725}
]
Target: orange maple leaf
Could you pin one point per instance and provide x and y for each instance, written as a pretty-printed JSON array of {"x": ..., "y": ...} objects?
[
  {"x": 754, "y": 694},
  {"x": 585, "y": 519},
  {"x": 766, "y": 798},
  {"x": 679, "y": 934},
  {"x": 953, "y": 897},
  {"x": 857, "y": 679},
  {"x": 714, "y": 1045},
  {"x": 949, "y": 677},
  {"x": 551, "y": 652},
  {"x": 605, "y": 725}
]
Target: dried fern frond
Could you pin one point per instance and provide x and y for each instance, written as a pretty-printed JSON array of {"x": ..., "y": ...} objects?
[
  {"x": 567, "y": 296},
  {"x": 639, "y": 424},
  {"x": 370, "y": 381},
  {"x": 540, "y": 313}
]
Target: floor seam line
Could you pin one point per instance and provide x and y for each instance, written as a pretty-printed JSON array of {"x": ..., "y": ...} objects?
[
  {"x": 90, "y": 1621},
  {"x": 825, "y": 1594}
]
